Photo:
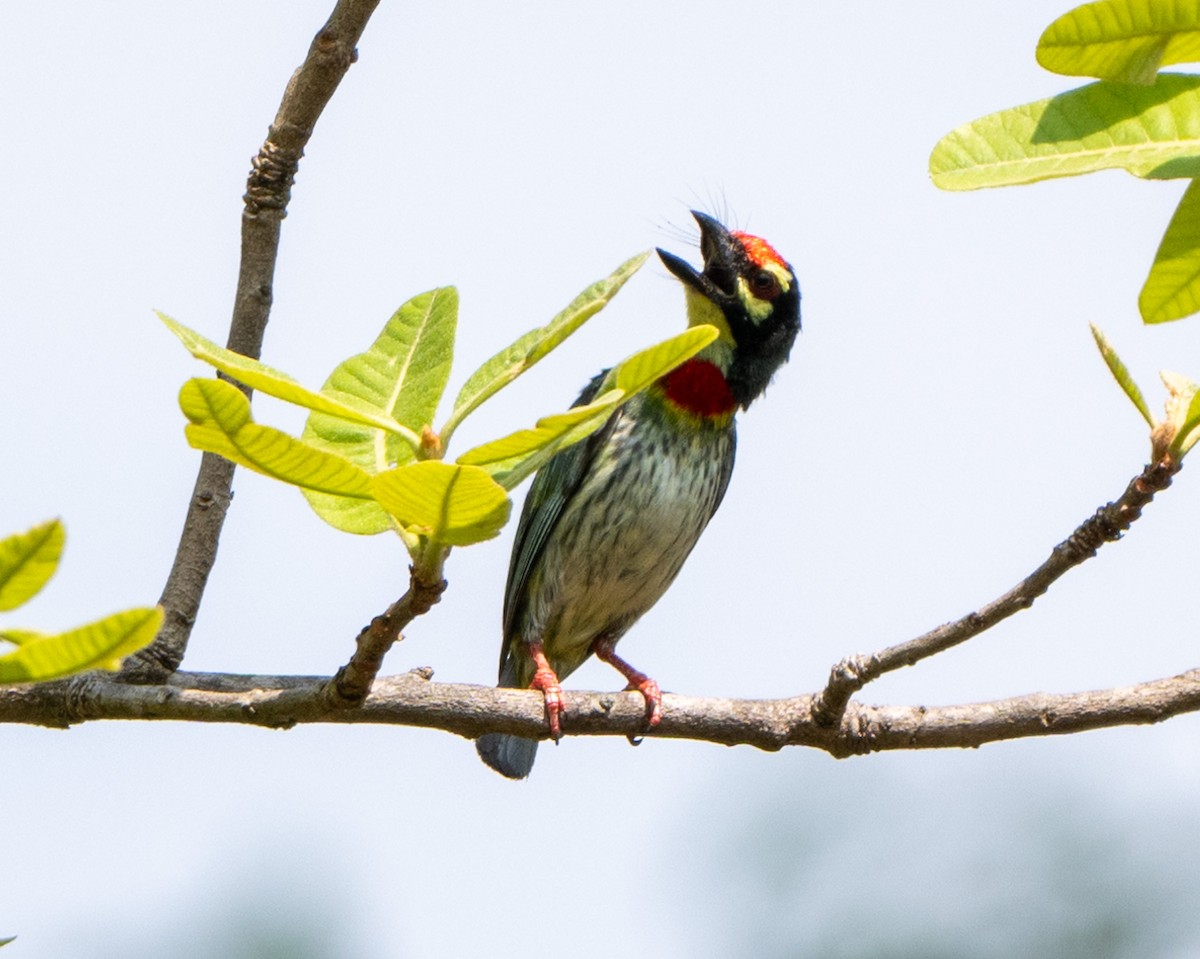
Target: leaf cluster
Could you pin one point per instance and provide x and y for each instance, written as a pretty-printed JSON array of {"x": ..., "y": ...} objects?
[
  {"x": 27, "y": 561},
  {"x": 369, "y": 458},
  {"x": 1133, "y": 118}
]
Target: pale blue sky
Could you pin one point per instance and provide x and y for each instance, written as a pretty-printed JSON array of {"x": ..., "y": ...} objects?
[{"x": 943, "y": 423}]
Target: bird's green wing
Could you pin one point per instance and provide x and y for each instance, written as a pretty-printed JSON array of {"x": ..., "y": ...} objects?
[
  {"x": 726, "y": 470},
  {"x": 553, "y": 487}
]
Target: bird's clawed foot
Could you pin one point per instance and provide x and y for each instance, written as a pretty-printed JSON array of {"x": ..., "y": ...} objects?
[
  {"x": 637, "y": 680},
  {"x": 546, "y": 679},
  {"x": 652, "y": 693}
]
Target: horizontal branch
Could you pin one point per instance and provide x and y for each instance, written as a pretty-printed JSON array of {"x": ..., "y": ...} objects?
[{"x": 414, "y": 700}]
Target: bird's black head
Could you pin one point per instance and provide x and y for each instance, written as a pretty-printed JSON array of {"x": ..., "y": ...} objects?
[{"x": 748, "y": 291}]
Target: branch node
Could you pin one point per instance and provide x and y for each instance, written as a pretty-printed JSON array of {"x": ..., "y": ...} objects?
[
  {"x": 272, "y": 173},
  {"x": 1111, "y": 521},
  {"x": 845, "y": 679}
]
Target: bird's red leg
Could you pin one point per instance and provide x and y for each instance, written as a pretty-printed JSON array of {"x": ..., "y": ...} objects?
[
  {"x": 605, "y": 650},
  {"x": 546, "y": 679}
]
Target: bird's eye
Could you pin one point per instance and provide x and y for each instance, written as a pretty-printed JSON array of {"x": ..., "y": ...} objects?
[{"x": 764, "y": 285}]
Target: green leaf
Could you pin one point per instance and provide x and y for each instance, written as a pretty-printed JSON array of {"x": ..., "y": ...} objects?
[
  {"x": 1149, "y": 131},
  {"x": 1121, "y": 374},
  {"x": 7, "y": 940},
  {"x": 1189, "y": 432},
  {"x": 1123, "y": 40},
  {"x": 500, "y": 457},
  {"x": 19, "y": 637},
  {"x": 1176, "y": 434},
  {"x": 448, "y": 504},
  {"x": 363, "y": 517},
  {"x": 404, "y": 373},
  {"x": 99, "y": 645},
  {"x": 28, "y": 560},
  {"x": 514, "y": 360},
  {"x": 1172, "y": 290},
  {"x": 637, "y": 372},
  {"x": 511, "y": 473},
  {"x": 512, "y": 458},
  {"x": 259, "y": 376},
  {"x": 220, "y": 423}
]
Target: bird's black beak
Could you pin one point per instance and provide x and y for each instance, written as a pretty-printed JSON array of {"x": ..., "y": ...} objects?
[{"x": 720, "y": 252}]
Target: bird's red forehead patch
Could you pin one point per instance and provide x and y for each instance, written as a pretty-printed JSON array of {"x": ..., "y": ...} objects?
[{"x": 759, "y": 250}]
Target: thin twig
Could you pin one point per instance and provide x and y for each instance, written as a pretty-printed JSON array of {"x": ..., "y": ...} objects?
[
  {"x": 413, "y": 700},
  {"x": 350, "y": 685},
  {"x": 268, "y": 191},
  {"x": 1106, "y": 525}
]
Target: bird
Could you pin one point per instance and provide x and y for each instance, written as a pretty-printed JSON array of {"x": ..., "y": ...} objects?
[{"x": 608, "y": 522}]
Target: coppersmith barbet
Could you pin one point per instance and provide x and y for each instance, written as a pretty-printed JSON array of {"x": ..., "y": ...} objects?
[{"x": 609, "y": 521}]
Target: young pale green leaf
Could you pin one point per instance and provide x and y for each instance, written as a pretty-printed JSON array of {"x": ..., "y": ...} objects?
[
  {"x": 261, "y": 377},
  {"x": 1149, "y": 131},
  {"x": 6, "y": 940},
  {"x": 99, "y": 645},
  {"x": 637, "y": 372},
  {"x": 404, "y": 374},
  {"x": 1122, "y": 40},
  {"x": 511, "y": 473},
  {"x": 365, "y": 448},
  {"x": 448, "y": 504},
  {"x": 221, "y": 423},
  {"x": 19, "y": 637},
  {"x": 502, "y": 456},
  {"x": 1189, "y": 432},
  {"x": 1172, "y": 290},
  {"x": 28, "y": 560},
  {"x": 512, "y": 458},
  {"x": 1121, "y": 374},
  {"x": 514, "y": 360},
  {"x": 1177, "y": 433},
  {"x": 363, "y": 517}
]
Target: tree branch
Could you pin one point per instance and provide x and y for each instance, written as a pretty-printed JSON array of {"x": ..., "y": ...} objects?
[
  {"x": 827, "y": 721},
  {"x": 413, "y": 700},
  {"x": 268, "y": 191},
  {"x": 350, "y": 685},
  {"x": 1106, "y": 525}
]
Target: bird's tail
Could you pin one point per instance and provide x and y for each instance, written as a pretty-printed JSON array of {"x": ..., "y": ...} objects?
[{"x": 509, "y": 755}]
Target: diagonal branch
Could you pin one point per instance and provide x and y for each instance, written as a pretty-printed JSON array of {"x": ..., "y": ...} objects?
[
  {"x": 268, "y": 191},
  {"x": 412, "y": 700},
  {"x": 350, "y": 685},
  {"x": 1106, "y": 525}
]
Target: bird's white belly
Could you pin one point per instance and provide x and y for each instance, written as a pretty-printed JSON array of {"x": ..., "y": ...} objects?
[{"x": 623, "y": 540}]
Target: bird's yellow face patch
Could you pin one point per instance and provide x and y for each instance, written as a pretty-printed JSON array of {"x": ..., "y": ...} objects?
[{"x": 759, "y": 292}]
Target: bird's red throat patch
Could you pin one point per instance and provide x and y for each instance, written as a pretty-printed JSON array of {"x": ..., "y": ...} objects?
[{"x": 698, "y": 387}]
